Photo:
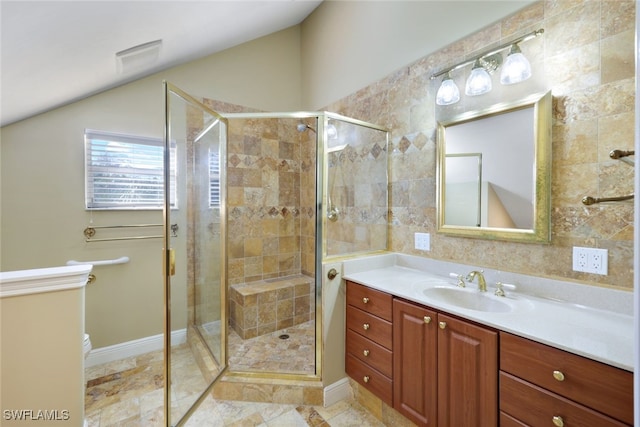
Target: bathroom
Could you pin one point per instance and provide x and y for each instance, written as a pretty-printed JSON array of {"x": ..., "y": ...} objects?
[{"x": 400, "y": 98}]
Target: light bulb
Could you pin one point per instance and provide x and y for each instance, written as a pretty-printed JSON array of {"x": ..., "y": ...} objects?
[
  {"x": 479, "y": 82},
  {"x": 448, "y": 93},
  {"x": 516, "y": 68},
  {"x": 332, "y": 131}
]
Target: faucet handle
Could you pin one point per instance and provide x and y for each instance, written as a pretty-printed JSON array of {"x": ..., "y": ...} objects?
[
  {"x": 500, "y": 287},
  {"x": 459, "y": 278}
]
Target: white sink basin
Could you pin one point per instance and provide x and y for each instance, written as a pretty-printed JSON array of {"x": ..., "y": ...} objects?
[{"x": 469, "y": 299}]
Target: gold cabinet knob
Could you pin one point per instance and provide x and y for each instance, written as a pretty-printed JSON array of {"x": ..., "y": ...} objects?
[
  {"x": 558, "y": 375},
  {"x": 558, "y": 421},
  {"x": 366, "y": 378},
  {"x": 366, "y": 326},
  {"x": 427, "y": 319},
  {"x": 366, "y": 353},
  {"x": 365, "y": 300},
  {"x": 442, "y": 325}
]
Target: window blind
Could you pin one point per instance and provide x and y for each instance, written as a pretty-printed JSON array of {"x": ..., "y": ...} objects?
[
  {"x": 126, "y": 171},
  {"x": 214, "y": 178}
]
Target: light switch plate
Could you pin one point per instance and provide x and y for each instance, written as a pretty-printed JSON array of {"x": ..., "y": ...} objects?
[{"x": 590, "y": 260}]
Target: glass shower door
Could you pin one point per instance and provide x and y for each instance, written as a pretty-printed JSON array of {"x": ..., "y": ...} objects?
[{"x": 195, "y": 317}]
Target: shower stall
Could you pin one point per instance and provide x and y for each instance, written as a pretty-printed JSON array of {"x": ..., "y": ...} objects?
[{"x": 265, "y": 199}]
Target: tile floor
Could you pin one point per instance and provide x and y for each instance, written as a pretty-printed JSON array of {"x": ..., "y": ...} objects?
[
  {"x": 265, "y": 352},
  {"x": 129, "y": 392}
]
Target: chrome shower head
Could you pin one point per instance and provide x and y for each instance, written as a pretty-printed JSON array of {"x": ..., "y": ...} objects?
[{"x": 303, "y": 127}]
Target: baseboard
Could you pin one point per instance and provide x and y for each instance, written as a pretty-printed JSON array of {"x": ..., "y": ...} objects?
[
  {"x": 137, "y": 347},
  {"x": 337, "y": 391}
]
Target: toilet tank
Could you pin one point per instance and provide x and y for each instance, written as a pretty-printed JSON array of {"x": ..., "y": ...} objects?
[{"x": 41, "y": 346}]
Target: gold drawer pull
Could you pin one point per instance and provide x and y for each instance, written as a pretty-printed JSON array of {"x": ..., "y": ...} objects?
[
  {"x": 558, "y": 375},
  {"x": 427, "y": 319},
  {"x": 366, "y": 378},
  {"x": 558, "y": 421},
  {"x": 366, "y": 353},
  {"x": 365, "y": 300},
  {"x": 366, "y": 326},
  {"x": 442, "y": 325}
]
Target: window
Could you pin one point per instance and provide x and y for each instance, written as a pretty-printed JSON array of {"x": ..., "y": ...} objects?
[
  {"x": 214, "y": 178},
  {"x": 126, "y": 171}
]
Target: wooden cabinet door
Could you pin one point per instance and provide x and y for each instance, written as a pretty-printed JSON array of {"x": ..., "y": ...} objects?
[
  {"x": 415, "y": 362},
  {"x": 467, "y": 374}
]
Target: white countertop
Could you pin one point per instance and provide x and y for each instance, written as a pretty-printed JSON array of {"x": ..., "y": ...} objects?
[{"x": 598, "y": 334}]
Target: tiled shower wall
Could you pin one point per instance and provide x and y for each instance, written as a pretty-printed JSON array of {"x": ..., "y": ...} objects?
[
  {"x": 270, "y": 200},
  {"x": 357, "y": 187},
  {"x": 586, "y": 59}
]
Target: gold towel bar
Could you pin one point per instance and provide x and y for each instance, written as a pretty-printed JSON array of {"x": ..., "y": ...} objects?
[
  {"x": 614, "y": 154},
  {"x": 588, "y": 200},
  {"x": 617, "y": 154},
  {"x": 90, "y": 231}
]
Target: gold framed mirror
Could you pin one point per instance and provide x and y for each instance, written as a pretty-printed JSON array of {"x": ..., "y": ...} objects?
[{"x": 494, "y": 172}]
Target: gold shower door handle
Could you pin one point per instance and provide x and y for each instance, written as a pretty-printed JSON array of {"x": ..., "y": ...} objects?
[{"x": 172, "y": 262}]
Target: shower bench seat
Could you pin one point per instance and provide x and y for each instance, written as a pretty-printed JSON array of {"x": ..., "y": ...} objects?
[{"x": 265, "y": 306}]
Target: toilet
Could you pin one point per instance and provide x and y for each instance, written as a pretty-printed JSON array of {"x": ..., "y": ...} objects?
[{"x": 86, "y": 345}]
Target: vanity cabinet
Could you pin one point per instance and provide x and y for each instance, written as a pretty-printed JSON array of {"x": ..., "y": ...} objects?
[
  {"x": 369, "y": 341},
  {"x": 542, "y": 385},
  {"x": 445, "y": 369}
]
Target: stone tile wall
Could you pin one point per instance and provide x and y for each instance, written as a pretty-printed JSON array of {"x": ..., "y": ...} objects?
[
  {"x": 265, "y": 306},
  {"x": 586, "y": 58},
  {"x": 270, "y": 200}
]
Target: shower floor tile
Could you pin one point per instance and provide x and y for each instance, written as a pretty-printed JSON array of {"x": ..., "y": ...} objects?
[{"x": 270, "y": 353}]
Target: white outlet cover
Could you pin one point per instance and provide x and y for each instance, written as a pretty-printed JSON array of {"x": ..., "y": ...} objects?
[
  {"x": 422, "y": 241},
  {"x": 590, "y": 260}
]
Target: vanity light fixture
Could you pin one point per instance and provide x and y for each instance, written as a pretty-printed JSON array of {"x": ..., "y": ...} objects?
[
  {"x": 515, "y": 70},
  {"x": 448, "y": 93},
  {"x": 479, "y": 81}
]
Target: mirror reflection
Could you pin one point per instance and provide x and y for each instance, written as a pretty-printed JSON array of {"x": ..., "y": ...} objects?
[{"x": 494, "y": 171}]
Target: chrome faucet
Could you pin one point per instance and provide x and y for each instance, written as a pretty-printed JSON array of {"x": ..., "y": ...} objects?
[{"x": 482, "y": 284}]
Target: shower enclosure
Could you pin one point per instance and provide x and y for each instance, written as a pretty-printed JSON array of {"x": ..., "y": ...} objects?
[{"x": 265, "y": 199}]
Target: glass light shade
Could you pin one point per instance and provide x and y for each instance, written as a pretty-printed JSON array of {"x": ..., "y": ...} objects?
[
  {"x": 516, "y": 68},
  {"x": 332, "y": 131},
  {"x": 479, "y": 82},
  {"x": 448, "y": 92}
]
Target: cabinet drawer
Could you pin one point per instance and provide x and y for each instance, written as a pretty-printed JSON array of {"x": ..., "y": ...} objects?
[
  {"x": 596, "y": 385},
  {"x": 370, "y": 353},
  {"x": 507, "y": 420},
  {"x": 370, "y": 379},
  {"x": 370, "y": 300},
  {"x": 535, "y": 406},
  {"x": 372, "y": 327}
]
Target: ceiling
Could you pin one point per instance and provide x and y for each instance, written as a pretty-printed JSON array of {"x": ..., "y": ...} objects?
[{"x": 56, "y": 52}]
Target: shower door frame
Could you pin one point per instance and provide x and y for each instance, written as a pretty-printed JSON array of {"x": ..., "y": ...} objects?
[
  {"x": 320, "y": 138},
  {"x": 168, "y": 258},
  {"x": 321, "y": 255}
]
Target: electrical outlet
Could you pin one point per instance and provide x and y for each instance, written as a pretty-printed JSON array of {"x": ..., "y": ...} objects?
[
  {"x": 580, "y": 258},
  {"x": 590, "y": 260},
  {"x": 597, "y": 261},
  {"x": 422, "y": 241}
]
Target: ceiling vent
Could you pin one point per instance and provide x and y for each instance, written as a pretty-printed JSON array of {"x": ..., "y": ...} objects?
[{"x": 138, "y": 57}]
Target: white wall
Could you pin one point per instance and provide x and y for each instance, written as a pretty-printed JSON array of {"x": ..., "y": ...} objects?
[
  {"x": 347, "y": 45},
  {"x": 42, "y": 178}
]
